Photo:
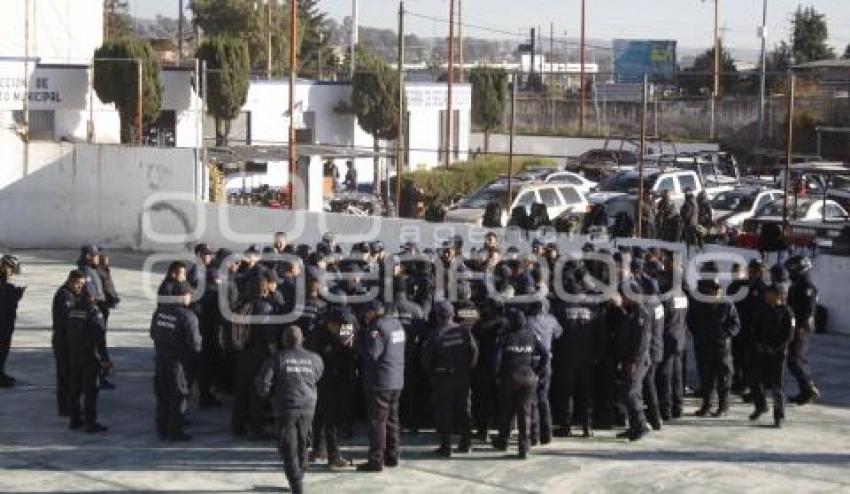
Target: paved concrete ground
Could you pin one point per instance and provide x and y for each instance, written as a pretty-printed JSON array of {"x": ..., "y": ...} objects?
[{"x": 39, "y": 454}]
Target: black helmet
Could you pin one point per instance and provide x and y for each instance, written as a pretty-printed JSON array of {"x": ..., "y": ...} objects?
[{"x": 798, "y": 265}]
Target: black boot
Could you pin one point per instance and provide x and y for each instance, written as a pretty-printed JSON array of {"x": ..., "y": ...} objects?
[{"x": 722, "y": 409}]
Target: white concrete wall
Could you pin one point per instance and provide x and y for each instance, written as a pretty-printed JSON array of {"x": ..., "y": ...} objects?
[
  {"x": 76, "y": 193},
  {"x": 60, "y": 31}
]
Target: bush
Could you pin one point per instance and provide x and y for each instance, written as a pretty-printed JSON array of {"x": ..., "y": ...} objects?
[{"x": 446, "y": 186}]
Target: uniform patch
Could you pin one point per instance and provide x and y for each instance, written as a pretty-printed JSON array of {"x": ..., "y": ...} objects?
[
  {"x": 397, "y": 337},
  {"x": 680, "y": 302},
  {"x": 659, "y": 312}
]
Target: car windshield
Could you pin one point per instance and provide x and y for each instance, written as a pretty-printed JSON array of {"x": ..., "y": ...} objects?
[
  {"x": 730, "y": 201},
  {"x": 480, "y": 199},
  {"x": 776, "y": 208},
  {"x": 625, "y": 182}
]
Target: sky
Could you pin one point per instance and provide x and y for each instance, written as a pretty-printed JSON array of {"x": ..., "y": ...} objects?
[{"x": 688, "y": 21}]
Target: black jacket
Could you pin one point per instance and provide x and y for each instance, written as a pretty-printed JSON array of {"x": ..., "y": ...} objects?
[
  {"x": 488, "y": 334},
  {"x": 10, "y": 295},
  {"x": 713, "y": 322},
  {"x": 63, "y": 302},
  {"x": 581, "y": 341},
  {"x": 381, "y": 348},
  {"x": 521, "y": 357},
  {"x": 175, "y": 334},
  {"x": 675, "y": 323},
  {"x": 803, "y": 301},
  {"x": 773, "y": 329},
  {"x": 292, "y": 375},
  {"x": 632, "y": 335},
  {"x": 86, "y": 334},
  {"x": 450, "y": 351}
]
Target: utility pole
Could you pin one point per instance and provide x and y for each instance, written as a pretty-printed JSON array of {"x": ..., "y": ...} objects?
[
  {"x": 139, "y": 96},
  {"x": 269, "y": 40},
  {"x": 399, "y": 148},
  {"x": 25, "y": 113},
  {"x": 551, "y": 47},
  {"x": 460, "y": 40},
  {"x": 354, "y": 34},
  {"x": 581, "y": 77},
  {"x": 180, "y": 31},
  {"x": 763, "y": 81},
  {"x": 715, "y": 93},
  {"x": 293, "y": 62},
  {"x": 642, "y": 154},
  {"x": 514, "y": 83},
  {"x": 789, "y": 150},
  {"x": 449, "y": 133}
]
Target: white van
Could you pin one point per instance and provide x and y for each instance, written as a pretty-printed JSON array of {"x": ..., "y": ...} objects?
[
  {"x": 558, "y": 199},
  {"x": 678, "y": 182}
]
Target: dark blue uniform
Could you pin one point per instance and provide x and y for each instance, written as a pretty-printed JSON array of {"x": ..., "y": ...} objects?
[
  {"x": 655, "y": 309},
  {"x": 177, "y": 341},
  {"x": 10, "y": 295},
  {"x": 290, "y": 379},
  {"x": 713, "y": 325},
  {"x": 669, "y": 380},
  {"x": 448, "y": 356},
  {"x": 575, "y": 358},
  {"x": 803, "y": 300},
  {"x": 249, "y": 407},
  {"x": 632, "y": 338},
  {"x": 520, "y": 360},
  {"x": 381, "y": 347},
  {"x": 488, "y": 332},
  {"x": 547, "y": 329},
  {"x": 64, "y": 302},
  {"x": 772, "y": 332},
  {"x": 85, "y": 339}
]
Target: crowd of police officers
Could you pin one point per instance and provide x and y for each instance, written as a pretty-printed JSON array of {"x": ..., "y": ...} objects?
[{"x": 467, "y": 343}]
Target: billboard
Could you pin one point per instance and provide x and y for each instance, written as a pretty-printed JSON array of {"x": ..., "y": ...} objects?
[{"x": 633, "y": 58}]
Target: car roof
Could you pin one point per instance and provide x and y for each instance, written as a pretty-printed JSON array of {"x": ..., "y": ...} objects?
[{"x": 750, "y": 189}]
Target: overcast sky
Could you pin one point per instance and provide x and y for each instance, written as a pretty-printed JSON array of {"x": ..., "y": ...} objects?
[{"x": 688, "y": 21}]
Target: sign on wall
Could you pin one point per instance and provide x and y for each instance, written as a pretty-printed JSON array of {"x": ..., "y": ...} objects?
[{"x": 48, "y": 88}]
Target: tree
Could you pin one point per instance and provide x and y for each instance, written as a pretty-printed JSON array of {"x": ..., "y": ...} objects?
[
  {"x": 374, "y": 99},
  {"x": 116, "y": 79},
  {"x": 118, "y": 21},
  {"x": 249, "y": 21},
  {"x": 846, "y": 55},
  {"x": 809, "y": 36},
  {"x": 699, "y": 79},
  {"x": 228, "y": 67},
  {"x": 489, "y": 90},
  {"x": 316, "y": 50}
]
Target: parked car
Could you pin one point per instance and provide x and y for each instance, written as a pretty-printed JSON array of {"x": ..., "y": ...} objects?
[
  {"x": 718, "y": 171},
  {"x": 733, "y": 207},
  {"x": 557, "y": 198},
  {"x": 555, "y": 176},
  {"x": 809, "y": 209},
  {"x": 654, "y": 180},
  {"x": 599, "y": 163}
]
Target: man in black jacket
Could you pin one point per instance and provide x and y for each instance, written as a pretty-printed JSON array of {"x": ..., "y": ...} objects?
[
  {"x": 713, "y": 322},
  {"x": 177, "y": 340},
  {"x": 289, "y": 378},
  {"x": 64, "y": 301},
  {"x": 10, "y": 295},
  {"x": 632, "y": 338},
  {"x": 448, "y": 356},
  {"x": 772, "y": 332},
  {"x": 87, "y": 356},
  {"x": 803, "y": 301},
  {"x": 520, "y": 361},
  {"x": 488, "y": 331},
  {"x": 669, "y": 380},
  {"x": 381, "y": 348},
  {"x": 333, "y": 341}
]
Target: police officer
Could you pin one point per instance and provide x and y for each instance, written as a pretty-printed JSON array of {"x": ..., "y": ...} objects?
[
  {"x": 175, "y": 274},
  {"x": 772, "y": 332},
  {"x": 87, "y": 355},
  {"x": 632, "y": 339},
  {"x": 253, "y": 342},
  {"x": 546, "y": 328},
  {"x": 64, "y": 301},
  {"x": 649, "y": 288},
  {"x": 10, "y": 295},
  {"x": 669, "y": 380},
  {"x": 177, "y": 339},
  {"x": 381, "y": 348},
  {"x": 448, "y": 356},
  {"x": 520, "y": 359},
  {"x": 748, "y": 306},
  {"x": 333, "y": 341},
  {"x": 290, "y": 378},
  {"x": 575, "y": 355},
  {"x": 488, "y": 331},
  {"x": 803, "y": 301},
  {"x": 713, "y": 321}
]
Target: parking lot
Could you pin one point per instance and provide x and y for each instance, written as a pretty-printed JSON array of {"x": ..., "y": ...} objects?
[{"x": 39, "y": 454}]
